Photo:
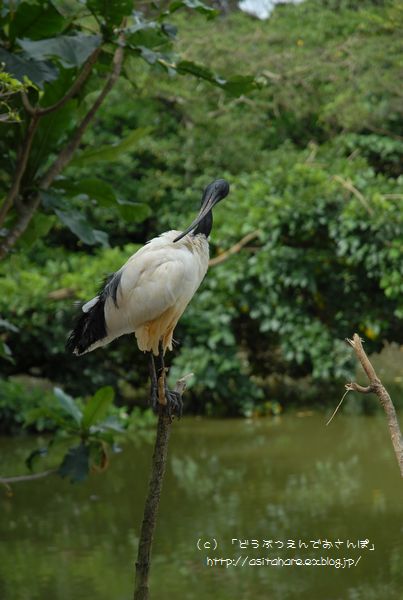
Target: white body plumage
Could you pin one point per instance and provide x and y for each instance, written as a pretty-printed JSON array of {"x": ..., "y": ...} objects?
[{"x": 155, "y": 286}]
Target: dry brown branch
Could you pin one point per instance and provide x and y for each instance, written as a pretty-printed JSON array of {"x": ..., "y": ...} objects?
[
  {"x": 158, "y": 464},
  {"x": 351, "y": 188},
  {"x": 62, "y": 294},
  {"x": 30, "y": 477},
  {"x": 234, "y": 249},
  {"x": 376, "y": 387}
]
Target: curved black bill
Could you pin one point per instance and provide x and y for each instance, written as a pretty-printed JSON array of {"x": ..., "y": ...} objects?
[
  {"x": 215, "y": 192},
  {"x": 203, "y": 212}
]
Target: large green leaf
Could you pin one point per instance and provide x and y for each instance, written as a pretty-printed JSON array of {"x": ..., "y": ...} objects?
[
  {"x": 36, "y": 21},
  {"x": 238, "y": 85},
  {"x": 111, "y": 12},
  {"x": 69, "y": 8},
  {"x": 110, "y": 153},
  {"x": 133, "y": 211},
  {"x": 150, "y": 34},
  {"x": 94, "y": 188},
  {"x": 98, "y": 190},
  {"x": 52, "y": 131},
  {"x": 97, "y": 407},
  {"x": 76, "y": 463},
  {"x": 38, "y": 228},
  {"x": 78, "y": 224},
  {"x": 71, "y": 50},
  {"x": 235, "y": 86},
  {"x": 188, "y": 67},
  {"x": 37, "y": 71},
  {"x": 68, "y": 405}
]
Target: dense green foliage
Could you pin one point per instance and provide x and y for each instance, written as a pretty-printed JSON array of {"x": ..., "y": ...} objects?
[{"x": 314, "y": 157}]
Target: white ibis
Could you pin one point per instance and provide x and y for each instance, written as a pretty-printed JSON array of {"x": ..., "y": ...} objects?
[{"x": 149, "y": 293}]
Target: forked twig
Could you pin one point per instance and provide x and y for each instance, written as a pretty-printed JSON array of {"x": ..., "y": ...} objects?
[{"x": 375, "y": 386}]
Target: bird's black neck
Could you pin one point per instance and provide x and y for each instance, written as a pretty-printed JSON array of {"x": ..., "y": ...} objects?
[{"x": 205, "y": 225}]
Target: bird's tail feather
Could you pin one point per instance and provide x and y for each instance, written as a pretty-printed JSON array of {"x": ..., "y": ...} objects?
[{"x": 89, "y": 328}]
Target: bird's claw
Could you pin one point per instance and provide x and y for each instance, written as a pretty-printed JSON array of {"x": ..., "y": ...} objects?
[
  {"x": 173, "y": 402},
  {"x": 174, "y": 405}
]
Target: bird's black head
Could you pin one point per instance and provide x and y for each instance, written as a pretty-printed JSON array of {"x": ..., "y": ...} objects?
[{"x": 214, "y": 192}]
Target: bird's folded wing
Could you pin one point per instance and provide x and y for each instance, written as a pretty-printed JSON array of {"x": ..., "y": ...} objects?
[{"x": 152, "y": 284}]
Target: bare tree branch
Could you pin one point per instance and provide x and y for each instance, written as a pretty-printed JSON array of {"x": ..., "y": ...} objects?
[
  {"x": 74, "y": 89},
  {"x": 376, "y": 387},
  {"x": 234, "y": 249},
  {"x": 31, "y": 477},
  {"x": 351, "y": 188},
  {"x": 158, "y": 464},
  {"x": 20, "y": 168}
]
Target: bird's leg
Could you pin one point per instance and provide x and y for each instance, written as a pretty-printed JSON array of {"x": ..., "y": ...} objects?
[
  {"x": 154, "y": 383},
  {"x": 170, "y": 399}
]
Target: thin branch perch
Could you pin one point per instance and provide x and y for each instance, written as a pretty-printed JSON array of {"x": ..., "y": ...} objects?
[
  {"x": 159, "y": 459},
  {"x": 376, "y": 387}
]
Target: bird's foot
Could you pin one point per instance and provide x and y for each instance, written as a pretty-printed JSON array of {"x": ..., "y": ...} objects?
[
  {"x": 165, "y": 401},
  {"x": 174, "y": 405}
]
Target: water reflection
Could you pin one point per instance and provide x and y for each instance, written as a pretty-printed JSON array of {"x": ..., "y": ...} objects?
[{"x": 267, "y": 479}]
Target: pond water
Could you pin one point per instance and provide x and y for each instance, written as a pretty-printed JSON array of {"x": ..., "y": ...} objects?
[{"x": 289, "y": 478}]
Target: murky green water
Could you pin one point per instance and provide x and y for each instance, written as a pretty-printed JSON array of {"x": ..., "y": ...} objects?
[{"x": 287, "y": 479}]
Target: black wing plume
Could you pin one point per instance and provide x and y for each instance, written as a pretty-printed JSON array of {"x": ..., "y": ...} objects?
[{"x": 90, "y": 326}]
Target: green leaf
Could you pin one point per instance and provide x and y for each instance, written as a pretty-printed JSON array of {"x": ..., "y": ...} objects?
[
  {"x": 236, "y": 86},
  {"x": 36, "y": 21},
  {"x": 111, "y": 12},
  {"x": 185, "y": 67},
  {"x": 8, "y": 326},
  {"x": 133, "y": 211},
  {"x": 78, "y": 224},
  {"x": 149, "y": 34},
  {"x": 69, "y": 8},
  {"x": 71, "y": 50},
  {"x": 193, "y": 5},
  {"x": 38, "y": 72},
  {"x": 52, "y": 131},
  {"x": 5, "y": 352},
  {"x": 76, "y": 463},
  {"x": 149, "y": 55},
  {"x": 34, "y": 455},
  {"x": 97, "y": 407},
  {"x": 68, "y": 405},
  {"x": 38, "y": 228},
  {"x": 110, "y": 153},
  {"x": 94, "y": 188}
]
